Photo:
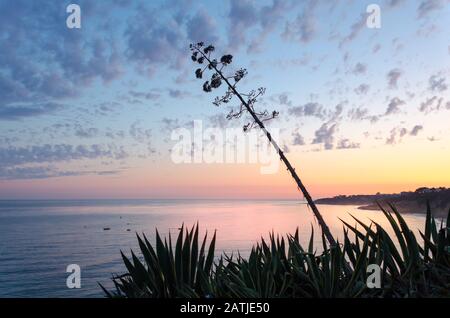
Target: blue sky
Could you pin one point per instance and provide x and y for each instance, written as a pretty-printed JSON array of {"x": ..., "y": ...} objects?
[{"x": 100, "y": 101}]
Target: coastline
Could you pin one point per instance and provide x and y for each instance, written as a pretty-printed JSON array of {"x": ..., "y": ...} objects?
[{"x": 402, "y": 207}]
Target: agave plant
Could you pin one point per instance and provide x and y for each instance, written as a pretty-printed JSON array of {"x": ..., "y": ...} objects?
[
  {"x": 282, "y": 267},
  {"x": 285, "y": 269},
  {"x": 183, "y": 270},
  {"x": 409, "y": 268}
]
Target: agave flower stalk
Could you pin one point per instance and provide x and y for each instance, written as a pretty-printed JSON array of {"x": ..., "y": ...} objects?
[{"x": 202, "y": 55}]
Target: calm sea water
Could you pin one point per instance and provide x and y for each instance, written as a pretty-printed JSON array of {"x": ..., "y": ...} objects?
[{"x": 38, "y": 239}]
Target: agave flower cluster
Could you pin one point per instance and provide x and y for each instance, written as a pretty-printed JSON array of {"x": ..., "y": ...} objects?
[{"x": 202, "y": 55}]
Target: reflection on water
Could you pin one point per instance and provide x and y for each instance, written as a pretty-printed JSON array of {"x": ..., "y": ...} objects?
[{"x": 40, "y": 238}]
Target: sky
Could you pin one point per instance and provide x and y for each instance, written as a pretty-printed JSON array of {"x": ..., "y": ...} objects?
[{"x": 89, "y": 112}]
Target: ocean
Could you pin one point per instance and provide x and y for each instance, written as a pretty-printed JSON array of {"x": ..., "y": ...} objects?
[{"x": 39, "y": 239}]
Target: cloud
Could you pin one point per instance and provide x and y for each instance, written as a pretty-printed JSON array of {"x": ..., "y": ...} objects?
[
  {"x": 44, "y": 61},
  {"x": 437, "y": 83},
  {"x": 8, "y": 112},
  {"x": 246, "y": 15},
  {"x": 428, "y": 6},
  {"x": 314, "y": 109},
  {"x": 219, "y": 121},
  {"x": 298, "y": 139},
  {"x": 355, "y": 29},
  {"x": 303, "y": 28},
  {"x": 281, "y": 99},
  {"x": 347, "y": 144},
  {"x": 143, "y": 136},
  {"x": 393, "y": 138},
  {"x": 152, "y": 42},
  {"x": 14, "y": 156},
  {"x": 393, "y": 106},
  {"x": 169, "y": 125},
  {"x": 242, "y": 16},
  {"x": 361, "y": 113},
  {"x": 334, "y": 115},
  {"x": 152, "y": 95},
  {"x": 119, "y": 134},
  {"x": 358, "y": 114},
  {"x": 362, "y": 89},
  {"x": 394, "y": 3},
  {"x": 308, "y": 110},
  {"x": 416, "y": 129},
  {"x": 325, "y": 135},
  {"x": 398, "y": 133},
  {"x": 176, "y": 93},
  {"x": 393, "y": 76},
  {"x": 202, "y": 27},
  {"x": 359, "y": 68},
  {"x": 269, "y": 17},
  {"x": 86, "y": 132},
  {"x": 432, "y": 104},
  {"x": 44, "y": 172},
  {"x": 376, "y": 48}
]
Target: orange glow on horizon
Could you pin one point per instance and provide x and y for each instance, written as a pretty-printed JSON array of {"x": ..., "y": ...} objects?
[{"x": 325, "y": 173}]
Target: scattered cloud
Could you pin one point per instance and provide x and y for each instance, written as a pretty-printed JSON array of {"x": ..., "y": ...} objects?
[
  {"x": 393, "y": 76},
  {"x": 242, "y": 16},
  {"x": 202, "y": 27},
  {"x": 176, "y": 93},
  {"x": 152, "y": 42},
  {"x": 13, "y": 156},
  {"x": 281, "y": 99},
  {"x": 357, "y": 114},
  {"x": 311, "y": 109},
  {"x": 428, "y": 6},
  {"x": 437, "y": 83},
  {"x": 170, "y": 124},
  {"x": 362, "y": 89},
  {"x": 359, "y": 68},
  {"x": 298, "y": 139},
  {"x": 143, "y": 136},
  {"x": 432, "y": 104},
  {"x": 45, "y": 172},
  {"x": 347, "y": 144},
  {"x": 82, "y": 132},
  {"x": 325, "y": 135},
  {"x": 218, "y": 121},
  {"x": 376, "y": 48},
  {"x": 152, "y": 95},
  {"x": 416, "y": 129},
  {"x": 303, "y": 28},
  {"x": 397, "y": 134},
  {"x": 355, "y": 29},
  {"x": 9, "y": 112},
  {"x": 394, "y": 106},
  {"x": 394, "y": 3}
]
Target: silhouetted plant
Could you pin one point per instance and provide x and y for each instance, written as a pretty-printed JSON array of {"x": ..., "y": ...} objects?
[
  {"x": 282, "y": 267},
  {"x": 202, "y": 55},
  {"x": 184, "y": 270}
]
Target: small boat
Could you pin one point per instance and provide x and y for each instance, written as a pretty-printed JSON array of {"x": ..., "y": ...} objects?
[{"x": 106, "y": 228}]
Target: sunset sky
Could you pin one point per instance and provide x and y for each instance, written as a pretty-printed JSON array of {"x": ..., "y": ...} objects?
[{"x": 88, "y": 113}]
